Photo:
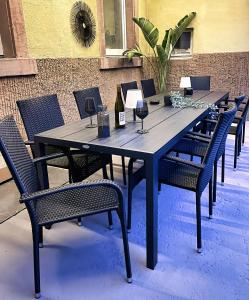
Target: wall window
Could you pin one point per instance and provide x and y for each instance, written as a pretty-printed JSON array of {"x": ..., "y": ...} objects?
[
  {"x": 115, "y": 20},
  {"x": 183, "y": 46},
  {"x": 115, "y": 26},
  {"x": 13, "y": 46}
]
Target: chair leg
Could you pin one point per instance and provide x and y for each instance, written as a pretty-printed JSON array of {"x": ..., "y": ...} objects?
[
  {"x": 35, "y": 233},
  {"x": 79, "y": 221},
  {"x": 111, "y": 170},
  {"x": 239, "y": 144},
  {"x": 104, "y": 172},
  {"x": 198, "y": 221},
  {"x": 123, "y": 169},
  {"x": 121, "y": 215},
  {"x": 191, "y": 157},
  {"x": 40, "y": 237},
  {"x": 129, "y": 206},
  {"x": 210, "y": 202},
  {"x": 215, "y": 183},
  {"x": 235, "y": 154},
  {"x": 244, "y": 133},
  {"x": 110, "y": 220},
  {"x": 223, "y": 168}
]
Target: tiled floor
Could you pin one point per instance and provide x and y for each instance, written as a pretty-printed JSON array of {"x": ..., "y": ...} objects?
[{"x": 87, "y": 262}]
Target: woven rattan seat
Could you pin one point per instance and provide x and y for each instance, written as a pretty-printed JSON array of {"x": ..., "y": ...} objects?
[
  {"x": 191, "y": 147},
  {"x": 178, "y": 174},
  {"x": 61, "y": 204}
]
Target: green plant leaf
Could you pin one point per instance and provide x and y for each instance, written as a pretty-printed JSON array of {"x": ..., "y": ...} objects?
[
  {"x": 135, "y": 52},
  {"x": 165, "y": 39},
  {"x": 161, "y": 55},
  {"x": 168, "y": 46},
  {"x": 150, "y": 32},
  {"x": 181, "y": 26}
]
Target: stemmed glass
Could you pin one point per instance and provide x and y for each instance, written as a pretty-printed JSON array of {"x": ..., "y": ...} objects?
[
  {"x": 142, "y": 112},
  {"x": 90, "y": 109}
]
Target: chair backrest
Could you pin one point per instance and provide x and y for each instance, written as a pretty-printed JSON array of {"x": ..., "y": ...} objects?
[
  {"x": 148, "y": 87},
  {"x": 222, "y": 146},
  {"x": 238, "y": 100},
  {"x": 17, "y": 157},
  {"x": 200, "y": 82},
  {"x": 243, "y": 117},
  {"x": 80, "y": 97},
  {"x": 128, "y": 86},
  {"x": 224, "y": 122},
  {"x": 40, "y": 114}
]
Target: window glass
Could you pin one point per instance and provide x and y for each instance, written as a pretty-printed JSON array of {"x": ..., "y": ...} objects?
[
  {"x": 114, "y": 19},
  {"x": 183, "y": 46}
]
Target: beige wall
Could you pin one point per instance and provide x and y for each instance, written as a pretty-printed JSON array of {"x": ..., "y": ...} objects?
[
  {"x": 48, "y": 29},
  {"x": 220, "y": 25}
]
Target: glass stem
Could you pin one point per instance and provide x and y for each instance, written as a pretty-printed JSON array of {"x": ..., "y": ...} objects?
[
  {"x": 91, "y": 120},
  {"x": 142, "y": 124}
]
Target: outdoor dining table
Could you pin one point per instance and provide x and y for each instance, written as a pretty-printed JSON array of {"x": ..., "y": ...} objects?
[{"x": 166, "y": 125}]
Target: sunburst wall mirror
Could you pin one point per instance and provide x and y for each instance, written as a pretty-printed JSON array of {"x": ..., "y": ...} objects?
[{"x": 83, "y": 24}]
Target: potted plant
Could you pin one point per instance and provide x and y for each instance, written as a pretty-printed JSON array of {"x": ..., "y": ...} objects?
[{"x": 161, "y": 52}]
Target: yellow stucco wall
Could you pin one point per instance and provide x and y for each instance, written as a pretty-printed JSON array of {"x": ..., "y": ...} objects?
[
  {"x": 48, "y": 29},
  {"x": 220, "y": 25}
]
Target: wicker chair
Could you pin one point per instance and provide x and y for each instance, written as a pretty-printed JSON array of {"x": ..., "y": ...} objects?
[
  {"x": 200, "y": 82},
  {"x": 128, "y": 86},
  {"x": 56, "y": 204},
  {"x": 187, "y": 174},
  {"x": 44, "y": 113},
  {"x": 80, "y": 97},
  {"x": 148, "y": 87},
  {"x": 238, "y": 130}
]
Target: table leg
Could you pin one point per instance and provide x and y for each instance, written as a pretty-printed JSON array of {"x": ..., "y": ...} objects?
[
  {"x": 151, "y": 211},
  {"x": 42, "y": 166}
]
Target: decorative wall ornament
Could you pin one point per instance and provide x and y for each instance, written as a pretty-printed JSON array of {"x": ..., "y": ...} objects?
[{"x": 83, "y": 24}]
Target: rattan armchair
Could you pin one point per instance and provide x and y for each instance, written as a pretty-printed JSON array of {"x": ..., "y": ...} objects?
[
  {"x": 43, "y": 113},
  {"x": 187, "y": 174},
  {"x": 56, "y": 204}
]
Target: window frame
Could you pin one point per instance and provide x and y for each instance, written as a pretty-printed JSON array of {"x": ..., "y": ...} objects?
[
  {"x": 119, "y": 52},
  {"x": 1, "y": 48},
  {"x": 19, "y": 63},
  {"x": 183, "y": 55},
  {"x": 119, "y": 61}
]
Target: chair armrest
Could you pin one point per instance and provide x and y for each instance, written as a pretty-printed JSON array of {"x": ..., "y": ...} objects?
[
  {"x": 210, "y": 121},
  {"x": 185, "y": 162},
  {"x": 47, "y": 157},
  {"x": 69, "y": 187},
  {"x": 197, "y": 138},
  {"x": 193, "y": 133},
  {"x": 29, "y": 143}
]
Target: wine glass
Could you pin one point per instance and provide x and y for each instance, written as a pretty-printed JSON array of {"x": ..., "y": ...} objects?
[
  {"x": 142, "y": 112},
  {"x": 90, "y": 109}
]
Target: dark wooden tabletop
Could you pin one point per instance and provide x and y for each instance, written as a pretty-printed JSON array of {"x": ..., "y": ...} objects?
[{"x": 164, "y": 125}]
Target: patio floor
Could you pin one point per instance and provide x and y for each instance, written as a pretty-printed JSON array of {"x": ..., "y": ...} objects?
[{"x": 87, "y": 262}]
